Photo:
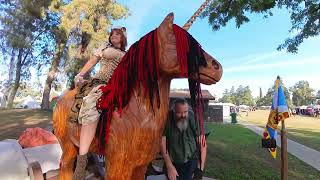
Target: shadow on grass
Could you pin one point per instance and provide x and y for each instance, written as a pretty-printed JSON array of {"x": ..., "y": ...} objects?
[{"x": 14, "y": 121}]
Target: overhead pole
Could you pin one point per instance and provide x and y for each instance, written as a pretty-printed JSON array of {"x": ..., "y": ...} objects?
[{"x": 188, "y": 24}]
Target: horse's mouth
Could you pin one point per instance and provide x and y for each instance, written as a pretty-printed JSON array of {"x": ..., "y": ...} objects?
[{"x": 211, "y": 78}]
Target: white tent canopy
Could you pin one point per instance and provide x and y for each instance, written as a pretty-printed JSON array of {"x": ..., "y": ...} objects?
[
  {"x": 303, "y": 107},
  {"x": 29, "y": 102},
  {"x": 223, "y": 104}
]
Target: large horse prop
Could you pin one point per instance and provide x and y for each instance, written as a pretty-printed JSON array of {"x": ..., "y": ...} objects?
[{"x": 134, "y": 137}]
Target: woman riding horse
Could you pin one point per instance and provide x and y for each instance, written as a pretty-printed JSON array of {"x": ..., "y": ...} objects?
[
  {"x": 139, "y": 89},
  {"x": 109, "y": 56}
]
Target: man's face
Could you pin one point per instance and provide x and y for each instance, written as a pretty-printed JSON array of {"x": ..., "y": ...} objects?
[
  {"x": 181, "y": 115},
  {"x": 181, "y": 111}
]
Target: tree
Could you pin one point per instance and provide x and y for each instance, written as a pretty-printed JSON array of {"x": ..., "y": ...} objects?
[
  {"x": 86, "y": 24},
  {"x": 60, "y": 40},
  {"x": 226, "y": 97},
  {"x": 23, "y": 24},
  {"x": 83, "y": 25},
  {"x": 241, "y": 96},
  {"x": 302, "y": 93},
  {"x": 244, "y": 96},
  {"x": 304, "y": 16},
  {"x": 233, "y": 95},
  {"x": 267, "y": 99}
]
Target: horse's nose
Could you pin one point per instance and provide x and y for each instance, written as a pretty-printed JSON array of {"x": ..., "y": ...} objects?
[
  {"x": 216, "y": 65},
  {"x": 218, "y": 69}
]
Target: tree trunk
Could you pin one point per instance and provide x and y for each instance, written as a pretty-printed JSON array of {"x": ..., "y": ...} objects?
[
  {"x": 45, "y": 104},
  {"x": 17, "y": 80},
  {"x": 8, "y": 84},
  {"x": 81, "y": 58},
  {"x": 11, "y": 66}
]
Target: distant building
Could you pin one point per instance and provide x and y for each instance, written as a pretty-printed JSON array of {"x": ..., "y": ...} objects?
[
  {"x": 220, "y": 112},
  {"x": 184, "y": 93}
]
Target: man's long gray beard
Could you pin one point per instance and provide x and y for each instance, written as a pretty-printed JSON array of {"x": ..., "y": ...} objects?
[{"x": 182, "y": 124}]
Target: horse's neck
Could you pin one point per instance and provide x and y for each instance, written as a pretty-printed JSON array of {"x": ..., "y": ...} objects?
[
  {"x": 164, "y": 92},
  {"x": 158, "y": 115}
]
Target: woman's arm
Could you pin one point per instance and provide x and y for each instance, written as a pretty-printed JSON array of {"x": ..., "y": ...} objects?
[
  {"x": 89, "y": 65},
  {"x": 78, "y": 79}
]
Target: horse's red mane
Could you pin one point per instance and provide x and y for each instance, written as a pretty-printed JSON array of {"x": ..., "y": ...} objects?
[{"x": 140, "y": 65}]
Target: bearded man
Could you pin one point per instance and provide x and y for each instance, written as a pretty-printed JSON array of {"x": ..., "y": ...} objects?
[{"x": 183, "y": 149}]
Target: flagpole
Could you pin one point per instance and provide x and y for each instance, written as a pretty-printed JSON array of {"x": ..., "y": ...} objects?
[{"x": 284, "y": 152}]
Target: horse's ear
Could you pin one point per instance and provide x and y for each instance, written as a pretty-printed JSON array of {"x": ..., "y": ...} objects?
[{"x": 168, "y": 21}]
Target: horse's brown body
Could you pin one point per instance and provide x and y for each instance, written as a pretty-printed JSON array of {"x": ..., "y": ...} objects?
[{"x": 134, "y": 137}]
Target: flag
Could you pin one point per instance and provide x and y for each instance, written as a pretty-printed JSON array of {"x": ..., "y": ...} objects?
[{"x": 278, "y": 112}]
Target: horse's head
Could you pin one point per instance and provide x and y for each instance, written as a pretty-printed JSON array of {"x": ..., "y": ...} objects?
[{"x": 209, "y": 73}]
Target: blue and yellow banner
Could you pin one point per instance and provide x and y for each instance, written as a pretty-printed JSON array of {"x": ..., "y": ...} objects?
[{"x": 278, "y": 112}]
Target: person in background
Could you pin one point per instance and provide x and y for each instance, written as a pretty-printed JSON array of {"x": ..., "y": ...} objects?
[{"x": 183, "y": 148}]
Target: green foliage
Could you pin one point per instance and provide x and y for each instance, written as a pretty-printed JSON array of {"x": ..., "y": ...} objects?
[
  {"x": 267, "y": 99},
  {"x": 25, "y": 25},
  {"x": 56, "y": 31},
  {"x": 242, "y": 96},
  {"x": 302, "y": 93},
  {"x": 304, "y": 16},
  {"x": 86, "y": 23}
]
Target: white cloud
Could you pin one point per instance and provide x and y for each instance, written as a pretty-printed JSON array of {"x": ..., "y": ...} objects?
[
  {"x": 263, "y": 57},
  {"x": 281, "y": 64}
]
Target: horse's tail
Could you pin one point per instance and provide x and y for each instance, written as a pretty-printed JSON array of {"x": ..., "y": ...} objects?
[{"x": 61, "y": 113}]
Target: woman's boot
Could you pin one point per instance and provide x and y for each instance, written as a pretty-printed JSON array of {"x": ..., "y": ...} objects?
[{"x": 80, "y": 172}]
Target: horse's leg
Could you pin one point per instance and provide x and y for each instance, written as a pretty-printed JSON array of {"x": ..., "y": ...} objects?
[
  {"x": 67, "y": 160},
  {"x": 118, "y": 169},
  {"x": 139, "y": 172}
]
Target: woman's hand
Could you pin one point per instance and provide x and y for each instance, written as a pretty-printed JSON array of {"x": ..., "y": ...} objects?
[{"x": 78, "y": 79}]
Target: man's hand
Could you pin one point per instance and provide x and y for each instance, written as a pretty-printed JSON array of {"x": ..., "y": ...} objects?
[
  {"x": 172, "y": 173},
  {"x": 198, "y": 174}
]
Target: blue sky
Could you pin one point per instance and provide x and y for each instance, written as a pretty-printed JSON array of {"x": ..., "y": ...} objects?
[{"x": 248, "y": 55}]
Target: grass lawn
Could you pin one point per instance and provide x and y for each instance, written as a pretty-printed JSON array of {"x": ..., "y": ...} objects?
[
  {"x": 235, "y": 152},
  {"x": 302, "y": 129},
  {"x": 14, "y": 122}
]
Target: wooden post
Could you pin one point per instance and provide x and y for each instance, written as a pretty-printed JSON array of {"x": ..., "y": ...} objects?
[{"x": 284, "y": 152}]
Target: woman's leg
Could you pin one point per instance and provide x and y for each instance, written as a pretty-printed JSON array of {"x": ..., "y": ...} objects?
[{"x": 87, "y": 134}]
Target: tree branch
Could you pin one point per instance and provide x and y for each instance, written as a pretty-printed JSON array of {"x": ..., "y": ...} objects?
[{"x": 34, "y": 40}]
